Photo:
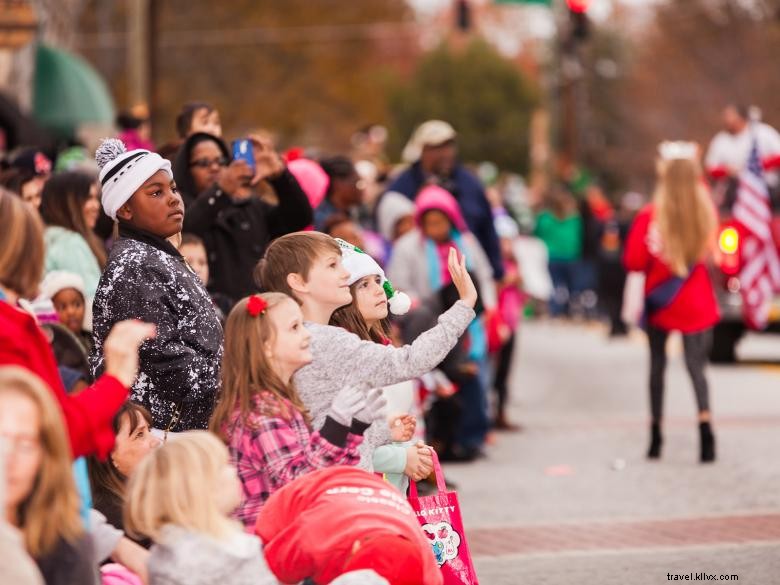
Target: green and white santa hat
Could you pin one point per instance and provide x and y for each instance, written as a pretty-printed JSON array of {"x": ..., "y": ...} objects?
[{"x": 359, "y": 264}]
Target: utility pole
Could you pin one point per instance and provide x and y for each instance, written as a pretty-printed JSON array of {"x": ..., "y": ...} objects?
[{"x": 138, "y": 52}]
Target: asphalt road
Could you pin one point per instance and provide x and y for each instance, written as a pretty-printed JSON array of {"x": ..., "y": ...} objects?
[{"x": 572, "y": 499}]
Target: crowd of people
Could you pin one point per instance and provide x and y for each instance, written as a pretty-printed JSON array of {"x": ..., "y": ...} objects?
[
  {"x": 203, "y": 355},
  {"x": 206, "y": 355}
]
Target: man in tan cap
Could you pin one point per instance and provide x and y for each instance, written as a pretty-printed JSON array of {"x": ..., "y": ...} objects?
[{"x": 432, "y": 154}]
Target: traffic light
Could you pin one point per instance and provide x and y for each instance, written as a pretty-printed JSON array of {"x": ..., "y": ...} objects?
[
  {"x": 579, "y": 20},
  {"x": 578, "y": 6}
]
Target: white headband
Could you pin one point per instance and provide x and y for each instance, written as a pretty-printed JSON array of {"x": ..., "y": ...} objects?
[{"x": 678, "y": 150}]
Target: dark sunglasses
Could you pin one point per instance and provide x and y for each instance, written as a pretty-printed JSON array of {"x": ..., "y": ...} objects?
[{"x": 205, "y": 163}]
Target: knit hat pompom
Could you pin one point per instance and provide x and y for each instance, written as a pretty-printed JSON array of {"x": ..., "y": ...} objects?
[{"x": 109, "y": 150}]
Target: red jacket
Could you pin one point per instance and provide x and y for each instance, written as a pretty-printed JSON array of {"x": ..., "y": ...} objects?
[
  {"x": 309, "y": 527},
  {"x": 88, "y": 415},
  {"x": 694, "y": 308}
]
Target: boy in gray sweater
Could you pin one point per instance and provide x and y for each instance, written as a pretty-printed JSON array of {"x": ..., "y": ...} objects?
[{"x": 307, "y": 266}]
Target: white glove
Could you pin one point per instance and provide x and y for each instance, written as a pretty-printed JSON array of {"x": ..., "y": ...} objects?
[
  {"x": 374, "y": 408},
  {"x": 346, "y": 404}
]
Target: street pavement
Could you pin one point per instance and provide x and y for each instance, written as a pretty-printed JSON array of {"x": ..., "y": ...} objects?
[{"x": 572, "y": 499}]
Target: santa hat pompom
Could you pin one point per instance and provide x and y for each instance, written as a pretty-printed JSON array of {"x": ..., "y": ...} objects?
[
  {"x": 110, "y": 149},
  {"x": 400, "y": 303}
]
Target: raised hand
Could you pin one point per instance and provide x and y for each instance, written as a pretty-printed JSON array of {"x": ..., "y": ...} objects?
[
  {"x": 235, "y": 176},
  {"x": 461, "y": 278},
  {"x": 268, "y": 163},
  {"x": 121, "y": 349}
]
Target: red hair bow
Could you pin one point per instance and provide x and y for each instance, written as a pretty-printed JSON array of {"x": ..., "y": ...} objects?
[{"x": 256, "y": 305}]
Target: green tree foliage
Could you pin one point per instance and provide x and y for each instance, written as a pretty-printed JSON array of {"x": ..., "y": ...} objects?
[{"x": 484, "y": 96}]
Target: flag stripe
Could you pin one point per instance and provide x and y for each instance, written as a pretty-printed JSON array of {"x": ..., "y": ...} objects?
[{"x": 760, "y": 274}]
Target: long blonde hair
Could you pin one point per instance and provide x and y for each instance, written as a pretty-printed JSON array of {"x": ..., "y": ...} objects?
[
  {"x": 51, "y": 511},
  {"x": 684, "y": 214},
  {"x": 246, "y": 370},
  {"x": 176, "y": 484}
]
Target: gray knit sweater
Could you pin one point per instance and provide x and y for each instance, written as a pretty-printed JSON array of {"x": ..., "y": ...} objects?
[
  {"x": 183, "y": 557},
  {"x": 342, "y": 359}
]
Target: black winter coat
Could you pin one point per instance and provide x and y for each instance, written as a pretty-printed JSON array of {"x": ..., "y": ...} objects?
[
  {"x": 147, "y": 279},
  {"x": 236, "y": 233}
]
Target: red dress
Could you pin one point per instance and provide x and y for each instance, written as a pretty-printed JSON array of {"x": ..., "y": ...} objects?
[
  {"x": 694, "y": 308},
  {"x": 88, "y": 415}
]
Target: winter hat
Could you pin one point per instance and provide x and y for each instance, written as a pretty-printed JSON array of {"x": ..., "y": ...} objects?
[
  {"x": 430, "y": 133},
  {"x": 393, "y": 557},
  {"x": 437, "y": 198},
  {"x": 123, "y": 172},
  {"x": 391, "y": 208},
  {"x": 59, "y": 280},
  {"x": 361, "y": 264},
  {"x": 313, "y": 180}
]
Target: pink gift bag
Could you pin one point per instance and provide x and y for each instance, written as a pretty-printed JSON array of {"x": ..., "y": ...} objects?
[{"x": 439, "y": 516}]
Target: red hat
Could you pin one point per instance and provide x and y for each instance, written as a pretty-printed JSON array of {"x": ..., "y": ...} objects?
[{"x": 393, "y": 557}]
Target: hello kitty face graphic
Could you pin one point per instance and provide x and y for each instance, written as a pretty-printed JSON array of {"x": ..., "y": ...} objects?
[{"x": 444, "y": 541}]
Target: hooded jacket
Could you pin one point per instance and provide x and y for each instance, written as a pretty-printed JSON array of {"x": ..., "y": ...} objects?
[
  {"x": 408, "y": 268},
  {"x": 309, "y": 527},
  {"x": 237, "y": 232},
  {"x": 468, "y": 192}
]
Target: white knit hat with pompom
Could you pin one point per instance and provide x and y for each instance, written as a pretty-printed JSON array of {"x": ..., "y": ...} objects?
[
  {"x": 359, "y": 264},
  {"x": 123, "y": 172}
]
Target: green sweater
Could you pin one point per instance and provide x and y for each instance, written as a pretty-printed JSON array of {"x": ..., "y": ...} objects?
[
  {"x": 68, "y": 250},
  {"x": 563, "y": 237}
]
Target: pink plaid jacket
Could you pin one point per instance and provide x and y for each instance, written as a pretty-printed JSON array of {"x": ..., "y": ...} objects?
[{"x": 271, "y": 450}]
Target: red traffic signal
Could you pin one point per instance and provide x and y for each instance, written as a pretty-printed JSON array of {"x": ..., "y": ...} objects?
[{"x": 578, "y": 6}]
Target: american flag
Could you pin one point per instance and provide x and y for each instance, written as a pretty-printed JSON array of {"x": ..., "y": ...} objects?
[{"x": 760, "y": 275}]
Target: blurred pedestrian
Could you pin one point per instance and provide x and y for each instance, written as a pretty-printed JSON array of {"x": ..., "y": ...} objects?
[
  {"x": 181, "y": 496},
  {"x": 28, "y": 171},
  {"x": 88, "y": 414},
  {"x": 344, "y": 193},
  {"x": 66, "y": 292},
  {"x": 147, "y": 278},
  {"x": 197, "y": 117},
  {"x": 418, "y": 267},
  {"x": 728, "y": 152},
  {"x": 41, "y": 498},
  {"x": 135, "y": 128},
  {"x": 561, "y": 229},
  {"x": 132, "y": 426},
  {"x": 224, "y": 211},
  {"x": 671, "y": 241},
  {"x": 432, "y": 152},
  {"x": 70, "y": 208}
]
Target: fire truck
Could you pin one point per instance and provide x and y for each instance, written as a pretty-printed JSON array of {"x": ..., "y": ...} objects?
[{"x": 726, "y": 270}]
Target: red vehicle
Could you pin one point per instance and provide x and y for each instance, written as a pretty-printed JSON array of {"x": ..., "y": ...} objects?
[{"x": 725, "y": 278}]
